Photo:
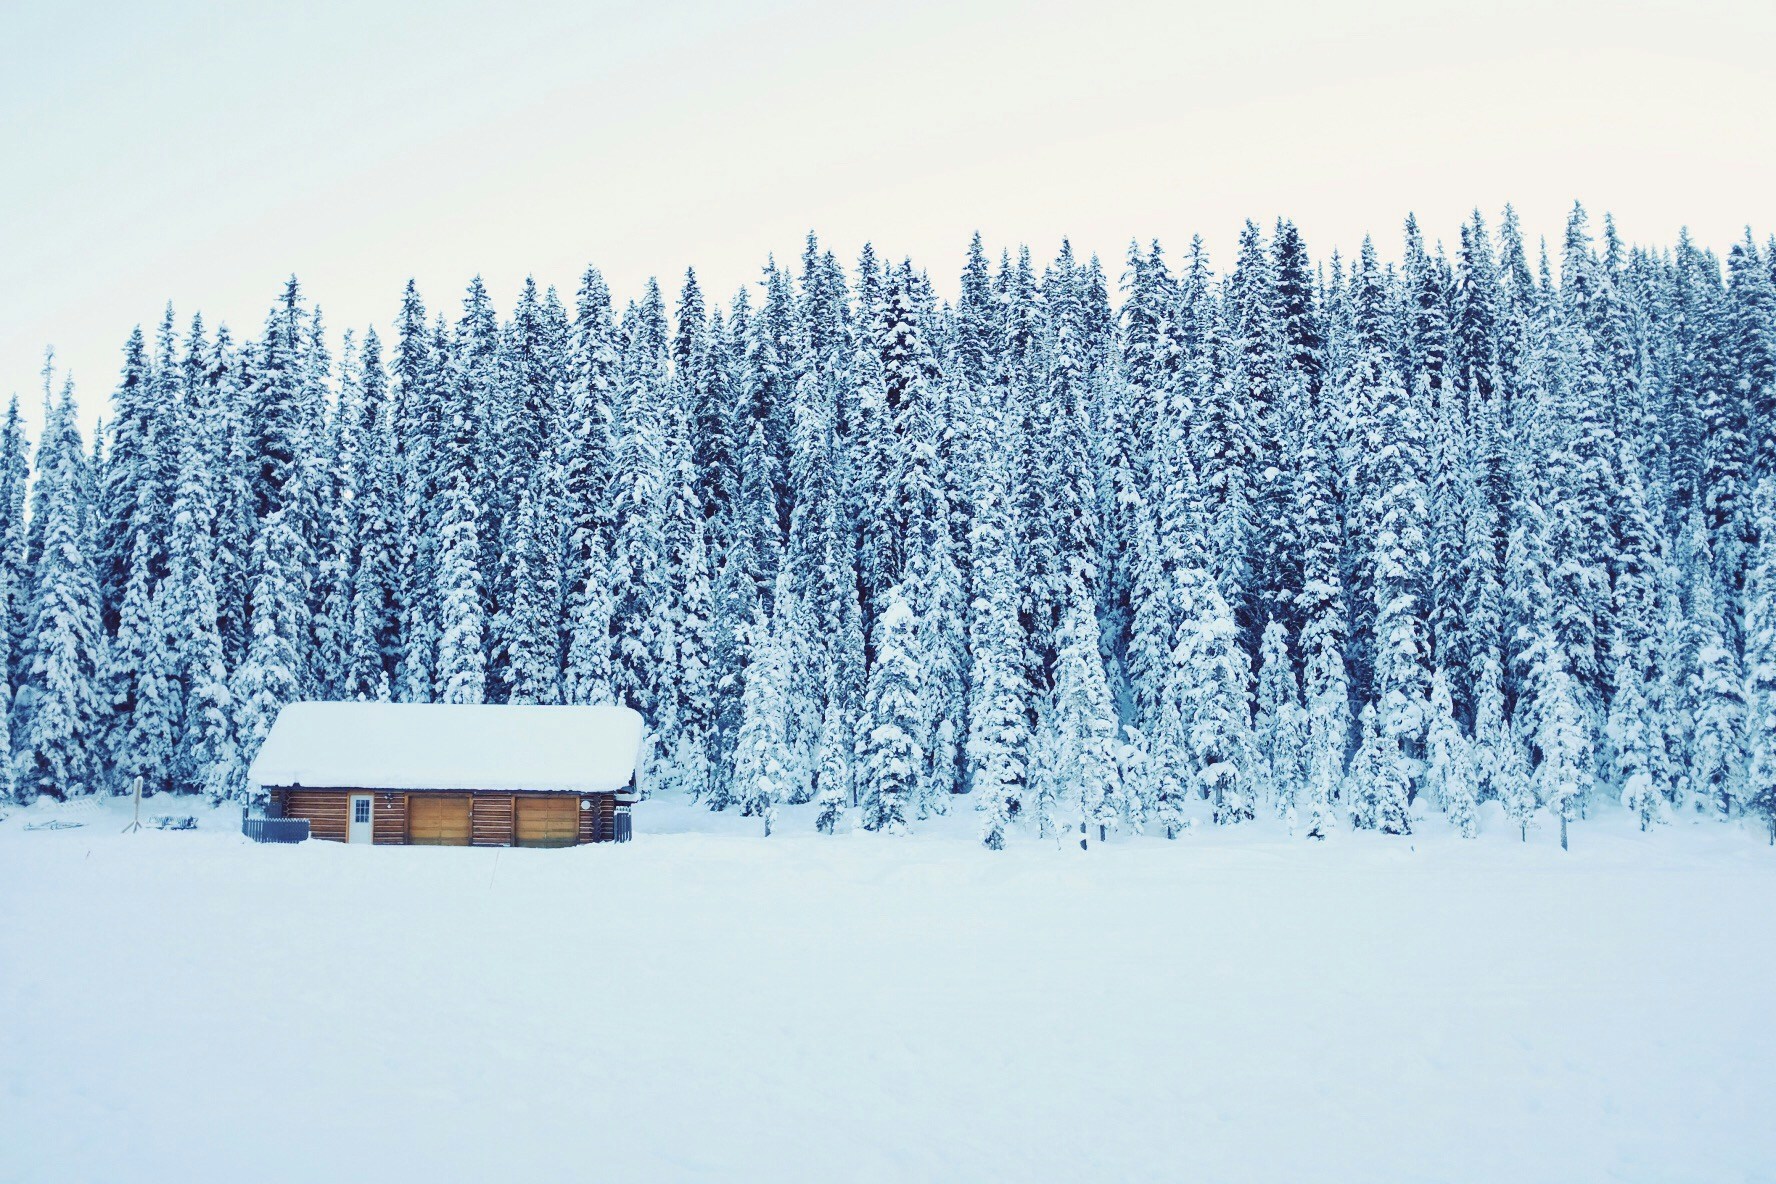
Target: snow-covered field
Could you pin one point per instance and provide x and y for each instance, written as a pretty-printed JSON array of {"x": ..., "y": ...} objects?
[{"x": 704, "y": 1004}]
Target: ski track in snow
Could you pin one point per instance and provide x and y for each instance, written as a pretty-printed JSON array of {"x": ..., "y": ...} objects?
[{"x": 704, "y": 1004}]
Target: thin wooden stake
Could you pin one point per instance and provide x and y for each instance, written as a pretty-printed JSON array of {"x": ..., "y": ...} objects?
[{"x": 137, "y": 824}]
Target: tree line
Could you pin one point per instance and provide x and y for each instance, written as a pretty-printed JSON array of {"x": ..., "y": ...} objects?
[{"x": 1345, "y": 540}]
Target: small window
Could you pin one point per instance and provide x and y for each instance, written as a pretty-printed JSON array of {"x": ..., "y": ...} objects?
[{"x": 361, "y": 810}]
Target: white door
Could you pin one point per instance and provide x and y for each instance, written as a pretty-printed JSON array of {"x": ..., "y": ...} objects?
[{"x": 358, "y": 830}]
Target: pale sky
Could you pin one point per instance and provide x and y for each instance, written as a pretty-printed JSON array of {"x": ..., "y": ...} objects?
[{"x": 202, "y": 152}]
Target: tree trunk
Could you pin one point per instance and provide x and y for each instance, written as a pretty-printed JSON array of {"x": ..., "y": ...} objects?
[
  {"x": 1082, "y": 834},
  {"x": 1563, "y": 831}
]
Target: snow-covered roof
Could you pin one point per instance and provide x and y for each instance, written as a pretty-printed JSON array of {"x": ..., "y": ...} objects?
[{"x": 418, "y": 746}]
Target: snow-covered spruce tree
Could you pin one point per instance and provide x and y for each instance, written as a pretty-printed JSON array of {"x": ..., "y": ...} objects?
[
  {"x": 690, "y": 756},
  {"x": 129, "y": 495},
  {"x": 890, "y": 762},
  {"x": 1060, "y": 518},
  {"x": 462, "y": 659},
  {"x": 1635, "y": 727},
  {"x": 1083, "y": 719},
  {"x": 417, "y": 434},
  {"x": 530, "y": 623},
  {"x": 1513, "y": 780},
  {"x": 372, "y": 645},
  {"x": 341, "y": 471},
  {"x": 638, "y": 549},
  {"x": 1389, "y": 515},
  {"x": 207, "y": 760},
  {"x": 833, "y": 757},
  {"x": 1152, "y": 630},
  {"x": 737, "y": 604},
  {"x": 1564, "y": 775},
  {"x": 845, "y": 667},
  {"x": 1759, "y": 793},
  {"x": 588, "y": 462},
  {"x": 56, "y": 711},
  {"x": 812, "y": 527},
  {"x": 1450, "y": 767},
  {"x": 1717, "y": 706},
  {"x": 1322, "y": 609},
  {"x": 1632, "y": 734},
  {"x": 142, "y": 697},
  {"x": 1401, "y": 652},
  {"x": 271, "y": 675},
  {"x": 999, "y": 714},
  {"x": 1278, "y": 725},
  {"x": 15, "y": 476},
  {"x": 944, "y": 641},
  {"x": 764, "y": 776},
  {"x": 8, "y": 770},
  {"x": 204, "y": 752},
  {"x": 1377, "y": 789},
  {"x": 1327, "y": 705},
  {"x": 587, "y": 678},
  {"x": 1211, "y": 684}
]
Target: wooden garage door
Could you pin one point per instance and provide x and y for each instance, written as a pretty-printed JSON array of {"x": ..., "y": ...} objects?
[
  {"x": 438, "y": 820},
  {"x": 548, "y": 822}
]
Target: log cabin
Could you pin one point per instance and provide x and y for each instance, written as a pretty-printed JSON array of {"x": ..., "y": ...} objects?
[{"x": 435, "y": 774}]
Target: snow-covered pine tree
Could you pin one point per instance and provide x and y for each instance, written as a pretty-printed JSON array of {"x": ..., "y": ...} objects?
[
  {"x": 271, "y": 675},
  {"x": 419, "y": 434},
  {"x": 15, "y": 478},
  {"x": 1759, "y": 793},
  {"x": 1210, "y": 683},
  {"x": 1327, "y": 704},
  {"x": 638, "y": 558},
  {"x": 57, "y": 707},
  {"x": 462, "y": 659},
  {"x": 1513, "y": 780},
  {"x": 1322, "y": 609},
  {"x": 1089, "y": 786},
  {"x": 1377, "y": 790},
  {"x": 999, "y": 714},
  {"x": 142, "y": 700},
  {"x": 764, "y": 772},
  {"x": 1394, "y": 482},
  {"x": 1563, "y": 777},
  {"x": 530, "y": 621},
  {"x": 372, "y": 643},
  {"x": 1450, "y": 767},
  {"x": 944, "y": 641},
  {"x": 1716, "y": 700},
  {"x": 691, "y": 755},
  {"x": 129, "y": 485},
  {"x": 587, "y": 678},
  {"x": 833, "y": 758},
  {"x": 1278, "y": 726},
  {"x": 890, "y": 762}
]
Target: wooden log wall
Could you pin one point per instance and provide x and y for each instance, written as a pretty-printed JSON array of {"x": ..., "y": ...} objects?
[
  {"x": 492, "y": 816},
  {"x": 491, "y": 820},
  {"x": 389, "y": 818},
  {"x": 325, "y": 810},
  {"x": 599, "y": 824}
]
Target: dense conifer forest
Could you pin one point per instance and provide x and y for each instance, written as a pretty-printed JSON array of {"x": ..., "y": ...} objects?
[{"x": 1086, "y": 550}]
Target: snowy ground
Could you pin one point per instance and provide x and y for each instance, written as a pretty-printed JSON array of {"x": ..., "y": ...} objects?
[{"x": 703, "y": 1004}]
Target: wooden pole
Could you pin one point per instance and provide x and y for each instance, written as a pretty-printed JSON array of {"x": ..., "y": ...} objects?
[{"x": 137, "y": 824}]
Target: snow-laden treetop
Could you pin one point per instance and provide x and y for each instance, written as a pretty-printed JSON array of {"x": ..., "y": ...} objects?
[{"x": 442, "y": 746}]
